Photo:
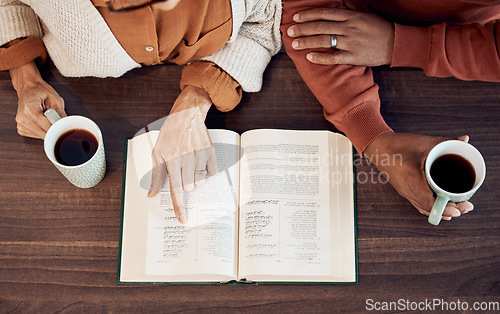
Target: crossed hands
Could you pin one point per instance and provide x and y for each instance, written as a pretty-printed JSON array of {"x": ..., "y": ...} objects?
[
  {"x": 362, "y": 38},
  {"x": 184, "y": 147}
]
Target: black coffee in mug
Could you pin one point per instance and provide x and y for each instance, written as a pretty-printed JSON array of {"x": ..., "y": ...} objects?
[
  {"x": 453, "y": 173},
  {"x": 75, "y": 147}
]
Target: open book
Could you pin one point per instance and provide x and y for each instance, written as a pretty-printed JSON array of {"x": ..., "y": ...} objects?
[{"x": 281, "y": 209}]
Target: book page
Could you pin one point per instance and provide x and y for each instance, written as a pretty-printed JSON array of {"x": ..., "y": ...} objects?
[
  {"x": 162, "y": 249},
  {"x": 343, "y": 224},
  {"x": 284, "y": 207}
]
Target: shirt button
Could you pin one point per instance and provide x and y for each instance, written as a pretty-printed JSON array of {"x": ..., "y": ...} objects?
[{"x": 149, "y": 48}]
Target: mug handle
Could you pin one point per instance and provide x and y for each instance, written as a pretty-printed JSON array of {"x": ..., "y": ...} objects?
[
  {"x": 437, "y": 209},
  {"x": 52, "y": 115}
]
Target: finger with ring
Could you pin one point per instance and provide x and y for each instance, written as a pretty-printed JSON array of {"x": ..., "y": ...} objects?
[
  {"x": 199, "y": 177},
  {"x": 333, "y": 41}
]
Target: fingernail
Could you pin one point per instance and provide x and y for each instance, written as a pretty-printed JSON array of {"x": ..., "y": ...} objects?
[
  {"x": 199, "y": 182},
  {"x": 309, "y": 57},
  {"x": 152, "y": 193},
  {"x": 290, "y": 31},
  {"x": 296, "y": 17},
  {"x": 183, "y": 219},
  {"x": 295, "y": 44},
  {"x": 189, "y": 187},
  {"x": 456, "y": 214}
]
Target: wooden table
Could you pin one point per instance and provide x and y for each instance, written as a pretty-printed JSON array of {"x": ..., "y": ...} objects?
[{"x": 59, "y": 244}]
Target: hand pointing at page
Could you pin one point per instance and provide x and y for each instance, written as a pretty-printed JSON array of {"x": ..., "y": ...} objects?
[{"x": 184, "y": 147}]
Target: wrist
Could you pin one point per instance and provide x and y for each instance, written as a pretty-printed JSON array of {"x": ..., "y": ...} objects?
[
  {"x": 194, "y": 96},
  {"x": 380, "y": 145},
  {"x": 24, "y": 76},
  {"x": 205, "y": 102}
]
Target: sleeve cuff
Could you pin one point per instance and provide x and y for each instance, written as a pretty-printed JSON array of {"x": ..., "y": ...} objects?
[
  {"x": 224, "y": 91},
  {"x": 412, "y": 46},
  {"x": 245, "y": 60},
  {"x": 363, "y": 124},
  {"x": 22, "y": 53}
]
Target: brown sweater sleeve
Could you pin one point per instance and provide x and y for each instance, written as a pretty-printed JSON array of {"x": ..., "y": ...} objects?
[
  {"x": 469, "y": 52},
  {"x": 348, "y": 93},
  {"x": 224, "y": 91},
  {"x": 20, "y": 52}
]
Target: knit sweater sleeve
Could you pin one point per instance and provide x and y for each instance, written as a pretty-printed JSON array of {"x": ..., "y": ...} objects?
[
  {"x": 348, "y": 93},
  {"x": 17, "y": 20},
  {"x": 469, "y": 52},
  {"x": 256, "y": 38},
  {"x": 20, "y": 34}
]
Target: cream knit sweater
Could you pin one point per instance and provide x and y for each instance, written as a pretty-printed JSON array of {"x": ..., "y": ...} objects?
[{"x": 80, "y": 43}]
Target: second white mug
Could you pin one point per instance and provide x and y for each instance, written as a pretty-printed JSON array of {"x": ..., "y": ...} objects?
[{"x": 444, "y": 194}]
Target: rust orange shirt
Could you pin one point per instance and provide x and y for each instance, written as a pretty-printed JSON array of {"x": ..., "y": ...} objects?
[{"x": 458, "y": 38}]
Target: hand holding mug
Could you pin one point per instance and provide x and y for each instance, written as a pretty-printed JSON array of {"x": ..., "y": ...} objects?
[
  {"x": 35, "y": 95},
  {"x": 405, "y": 171}
]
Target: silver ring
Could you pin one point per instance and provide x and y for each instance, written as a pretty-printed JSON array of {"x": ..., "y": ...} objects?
[
  {"x": 203, "y": 172},
  {"x": 333, "y": 41}
]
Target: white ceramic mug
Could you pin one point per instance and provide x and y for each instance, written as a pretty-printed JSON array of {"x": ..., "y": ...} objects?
[
  {"x": 87, "y": 174},
  {"x": 465, "y": 150}
]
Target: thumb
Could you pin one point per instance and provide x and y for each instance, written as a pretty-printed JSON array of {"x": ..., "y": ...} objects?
[
  {"x": 463, "y": 138},
  {"x": 340, "y": 57}
]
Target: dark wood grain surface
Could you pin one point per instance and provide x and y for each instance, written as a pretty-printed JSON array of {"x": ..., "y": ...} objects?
[{"x": 59, "y": 244}]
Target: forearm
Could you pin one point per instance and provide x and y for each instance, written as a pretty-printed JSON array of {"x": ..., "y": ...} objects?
[
  {"x": 25, "y": 76},
  {"x": 467, "y": 52},
  {"x": 193, "y": 97}
]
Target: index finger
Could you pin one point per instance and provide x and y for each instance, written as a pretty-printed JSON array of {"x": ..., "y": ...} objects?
[
  {"x": 34, "y": 119},
  {"x": 323, "y": 14},
  {"x": 176, "y": 191},
  {"x": 56, "y": 103},
  {"x": 177, "y": 195}
]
